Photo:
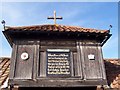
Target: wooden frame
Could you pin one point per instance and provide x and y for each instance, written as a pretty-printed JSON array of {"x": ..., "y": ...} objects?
[{"x": 78, "y": 73}]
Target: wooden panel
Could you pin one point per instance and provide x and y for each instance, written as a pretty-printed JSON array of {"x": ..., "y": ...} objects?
[
  {"x": 102, "y": 63},
  {"x": 72, "y": 64},
  {"x": 92, "y": 67},
  {"x": 42, "y": 63},
  {"x": 77, "y": 66},
  {"x": 44, "y": 45},
  {"x": 24, "y": 68},
  {"x": 58, "y": 43},
  {"x": 36, "y": 62},
  {"x": 77, "y": 62},
  {"x": 82, "y": 60},
  {"x": 13, "y": 61},
  {"x": 59, "y": 82},
  {"x": 43, "y": 48}
]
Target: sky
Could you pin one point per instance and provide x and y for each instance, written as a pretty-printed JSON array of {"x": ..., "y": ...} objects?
[{"x": 97, "y": 15}]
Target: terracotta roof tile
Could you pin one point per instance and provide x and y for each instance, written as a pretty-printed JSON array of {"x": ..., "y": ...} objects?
[
  {"x": 60, "y": 28},
  {"x": 113, "y": 72},
  {"x": 4, "y": 69}
]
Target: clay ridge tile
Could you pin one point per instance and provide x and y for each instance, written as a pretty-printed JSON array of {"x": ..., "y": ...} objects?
[{"x": 60, "y": 28}]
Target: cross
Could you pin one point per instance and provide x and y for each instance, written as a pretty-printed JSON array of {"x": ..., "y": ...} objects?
[{"x": 54, "y": 17}]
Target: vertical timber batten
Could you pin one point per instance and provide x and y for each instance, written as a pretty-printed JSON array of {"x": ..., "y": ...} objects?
[
  {"x": 42, "y": 64},
  {"x": 36, "y": 59},
  {"x": 13, "y": 62},
  {"x": 78, "y": 64},
  {"x": 72, "y": 63},
  {"x": 102, "y": 63},
  {"x": 82, "y": 59}
]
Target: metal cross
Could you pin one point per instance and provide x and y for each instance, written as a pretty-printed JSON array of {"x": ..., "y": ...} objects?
[{"x": 55, "y": 17}]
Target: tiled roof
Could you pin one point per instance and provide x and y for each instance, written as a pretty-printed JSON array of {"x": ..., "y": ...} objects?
[
  {"x": 57, "y": 28},
  {"x": 4, "y": 69},
  {"x": 113, "y": 72}
]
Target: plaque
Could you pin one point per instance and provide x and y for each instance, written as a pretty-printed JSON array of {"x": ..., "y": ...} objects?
[{"x": 58, "y": 62}]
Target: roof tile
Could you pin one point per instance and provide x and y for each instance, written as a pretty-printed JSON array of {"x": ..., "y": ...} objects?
[
  {"x": 60, "y": 28},
  {"x": 4, "y": 69},
  {"x": 113, "y": 72}
]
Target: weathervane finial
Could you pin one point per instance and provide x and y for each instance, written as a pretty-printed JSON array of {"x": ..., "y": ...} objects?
[
  {"x": 3, "y": 22},
  {"x": 110, "y": 27}
]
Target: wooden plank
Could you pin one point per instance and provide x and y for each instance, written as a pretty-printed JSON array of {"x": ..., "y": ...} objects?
[
  {"x": 42, "y": 64},
  {"x": 24, "y": 68},
  {"x": 81, "y": 45},
  {"x": 43, "y": 48},
  {"x": 28, "y": 42},
  {"x": 72, "y": 64},
  {"x": 13, "y": 61},
  {"x": 77, "y": 62},
  {"x": 36, "y": 62},
  {"x": 103, "y": 72},
  {"x": 55, "y": 42},
  {"x": 59, "y": 82},
  {"x": 80, "y": 57},
  {"x": 92, "y": 68},
  {"x": 98, "y": 62}
]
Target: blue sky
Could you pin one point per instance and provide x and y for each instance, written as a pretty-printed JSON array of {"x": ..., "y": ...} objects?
[{"x": 98, "y": 15}]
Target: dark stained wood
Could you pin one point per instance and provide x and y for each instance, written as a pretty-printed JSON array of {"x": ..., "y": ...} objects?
[
  {"x": 57, "y": 42},
  {"x": 81, "y": 46},
  {"x": 76, "y": 70},
  {"x": 36, "y": 61},
  {"x": 59, "y": 88},
  {"x": 24, "y": 68},
  {"x": 77, "y": 63},
  {"x": 102, "y": 63},
  {"x": 92, "y": 67},
  {"x": 33, "y": 72},
  {"x": 42, "y": 64},
  {"x": 72, "y": 64},
  {"x": 59, "y": 82},
  {"x": 13, "y": 61}
]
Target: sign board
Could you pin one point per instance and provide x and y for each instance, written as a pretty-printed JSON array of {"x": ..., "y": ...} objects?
[{"x": 58, "y": 62}]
